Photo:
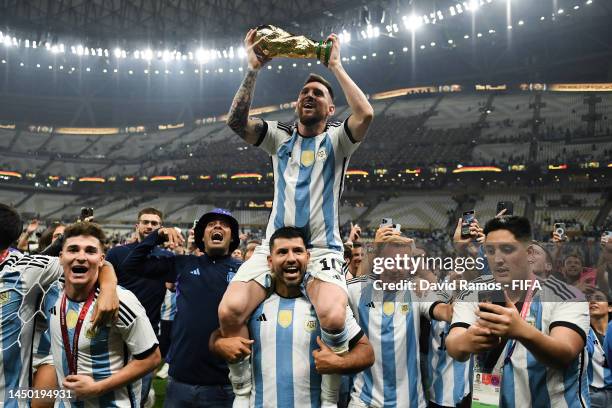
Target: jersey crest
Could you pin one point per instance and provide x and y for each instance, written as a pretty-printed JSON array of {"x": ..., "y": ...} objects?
[{"x": 285, "y": 317}]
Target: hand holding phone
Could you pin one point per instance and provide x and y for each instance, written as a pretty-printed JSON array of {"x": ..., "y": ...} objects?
[{"x": 466, "y": 220}]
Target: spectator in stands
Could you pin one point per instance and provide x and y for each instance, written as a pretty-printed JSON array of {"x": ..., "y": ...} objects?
[
  {"x": 575, "y": 273},
  {"x": 604, "y": 266},
  {"x": 150, "y": 293},
  {"x": 24, "y": 240},
  {"x": 54, "y": 231},
  {"x": 540, "y": 260},
  {"x": 250, "y": 248},
  {"x": 237, "y": 254},
  {"x": 599, "y": 373},
  {"x": 197, "y": 377}
]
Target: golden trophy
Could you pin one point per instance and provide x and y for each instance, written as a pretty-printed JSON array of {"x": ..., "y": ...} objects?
[{"x": 273, "y": 42}]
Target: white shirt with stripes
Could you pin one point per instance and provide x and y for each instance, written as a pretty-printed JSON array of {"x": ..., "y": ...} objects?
[
  {"x": 391, "y": 320},
  {"x": 285, "y": 333},
  {"x": 525, "y": 381},
  {"x": 23, "y": 279},
  {"x": 104, "y": 352},
  {"x": 308, "y": 180}
]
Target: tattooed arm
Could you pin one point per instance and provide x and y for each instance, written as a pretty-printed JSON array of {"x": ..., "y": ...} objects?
[{"x": 249, "y": 129}]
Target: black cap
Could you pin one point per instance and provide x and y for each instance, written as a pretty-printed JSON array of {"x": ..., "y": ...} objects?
[{"x": 216, "y": 214}]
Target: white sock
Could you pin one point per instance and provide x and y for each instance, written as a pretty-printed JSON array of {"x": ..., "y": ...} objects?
[
  {"x": 240, "y": 377},
  {"x": 330, "y": 390}
]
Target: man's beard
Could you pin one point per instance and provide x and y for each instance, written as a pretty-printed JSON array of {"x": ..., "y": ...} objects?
[{"x": 311, "y": 121}]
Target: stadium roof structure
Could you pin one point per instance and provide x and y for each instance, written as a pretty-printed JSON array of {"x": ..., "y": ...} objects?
[{"x": 88, "y": 68}]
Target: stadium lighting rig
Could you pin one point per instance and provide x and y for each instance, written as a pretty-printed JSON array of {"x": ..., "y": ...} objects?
[{"x": 410, "y": 23}]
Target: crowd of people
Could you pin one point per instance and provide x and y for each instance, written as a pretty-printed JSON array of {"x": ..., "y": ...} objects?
[{"x": 304, "y": 317}]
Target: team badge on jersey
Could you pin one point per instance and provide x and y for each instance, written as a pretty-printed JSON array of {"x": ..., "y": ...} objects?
[
  {"x": 321, "y": 155},
  {"x": 91, "y": 333},
  {"x": 4, "y": 297},
  {"x": 310, "y": 324},
  {"x": 307, "y": 158},
  {"x": 405, "y": 308},
  {"x": 71, "y": 319},
  {"x": 284, "y": 318},
  {"x": 388, "y": 308}
]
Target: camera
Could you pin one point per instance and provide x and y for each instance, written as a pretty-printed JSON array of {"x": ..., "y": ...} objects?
[{"x": 388, "y": 222}]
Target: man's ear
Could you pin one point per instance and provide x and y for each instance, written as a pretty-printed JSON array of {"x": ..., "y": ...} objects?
[
  {"x": 332, "y": 109},
  {"x": 270, "y": 261}
]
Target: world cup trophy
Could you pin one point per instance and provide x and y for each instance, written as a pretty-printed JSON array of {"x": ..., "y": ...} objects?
[{"x": 271, "y": 41}]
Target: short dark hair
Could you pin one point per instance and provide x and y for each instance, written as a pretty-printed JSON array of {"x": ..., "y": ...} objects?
[
  {"x": 287, "y": 233},
  {"x": 518, "y": 226},
  {"x": 357, "y": 245},
  {"x": 10, "y": 226},
  {"x": 321, "y": 80},
  {"x": 47, "y": 235},
  {"x": 547, "y": 254},
  {"x": 151, "y": 210},
  {"x": 88, "y": 229}
]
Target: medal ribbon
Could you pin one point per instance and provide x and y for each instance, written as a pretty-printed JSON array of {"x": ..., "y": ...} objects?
[
  {"x": 3, "y": 255},
  {"x": 72, "y": 354},
  {"x": 524, "y": 312}
]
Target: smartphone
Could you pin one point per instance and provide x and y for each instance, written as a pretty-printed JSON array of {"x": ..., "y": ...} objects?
[
  {"x": 388, "y": 222},
  {"x": 195, "y": 222},
  {"x": 467, "y": 218},
  {"x": 86, "y": 212},
  {"x": 507, "y": 205},
  {"x": 495, "y": 297},
  {"x": 559, "y": 228}
]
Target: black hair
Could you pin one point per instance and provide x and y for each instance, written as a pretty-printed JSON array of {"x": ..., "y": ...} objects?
[
  {"x": 88, "y": 229},
  {"x": 518, "y": 226},
  {"x": 287, "y": 233},
  {"x": 321, "y": 80},
  {"x": 10, "y": 226}
]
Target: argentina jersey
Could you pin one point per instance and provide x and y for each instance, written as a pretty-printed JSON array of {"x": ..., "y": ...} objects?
[
  {"x": 101, "y": 353},
  {"x": 23, "y": 279},
  {"x": 448, "y": 379},
  {"x": 525, "y": 381},
  {"x": 285, "y": 333},
  {"x": 168, "y": 308},
  {"x": 391, "y": 320},
  {"x": 598, "y": 371},
  {"x": 309, "y": 178}
]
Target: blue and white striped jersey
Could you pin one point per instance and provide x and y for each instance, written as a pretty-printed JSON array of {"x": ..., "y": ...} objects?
[
  {"x": 285, "y": 335},
  {"x": 168, "y": 308},
  {"x": 598, "y": 371},
  {"x": 526, "y": 382},
  {"x": 23, "y": 279},
  {"x": 448, "y": 379},
  {"x": 103, "y": 353},
  {"x": 391, "y": 320},
  {"x": 309, "y": 178}
]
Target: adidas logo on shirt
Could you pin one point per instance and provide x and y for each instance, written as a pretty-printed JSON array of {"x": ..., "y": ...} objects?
[
  {"x": 196, "y": 272},
  {"x": 371, "y": 304},
  {"x": 262, "y": 318}
]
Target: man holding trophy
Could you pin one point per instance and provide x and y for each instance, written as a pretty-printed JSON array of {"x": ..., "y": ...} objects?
[{"x": 309, "y": 159}]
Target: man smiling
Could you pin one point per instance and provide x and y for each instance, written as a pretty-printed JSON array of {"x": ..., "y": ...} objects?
[{"x": 100, "y": 366}]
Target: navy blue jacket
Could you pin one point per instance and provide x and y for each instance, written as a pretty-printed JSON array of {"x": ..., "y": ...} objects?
[
  {"x": 148, "y": 292},
  {"x": 201, "y": 282}
]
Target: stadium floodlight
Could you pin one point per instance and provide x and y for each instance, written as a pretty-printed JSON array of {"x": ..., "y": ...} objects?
[
  {"x": 405, "y": 49},
  {"x": 450, "y": 41},
  {"x": 353, "y": 58},
  {"x": 542, "y": 18},
  {"x": 106, "y": 52},
  {"x": 521, "y": 22},
  {"x": 4, "y": 61},
  {"x": 105, "y": 70},
  {"x": 364, "y": 57},
  {"x": 452, "y": 11},
  {"x": 7, "y": 41},
  {"x": 231, "y": 52},
  {"x": 54, "y": 49},
  {"x": 225, "y": 55},
  {"x": 156, "y": 72},
  {"x": 61, "y": 67},
  {"x": 433, "y": 44},
  {"x": 241, "y": 52},
  {"x": 589, "y": 1},
  {"x": 166, "y": 72},
  {"x": 34, "y": 45},
  {"x": 269, "y": 66},
  {"x": 280, "y": 67},
  {"x": 88, "y": 69},
  {"x": 473, "y": 5},
  {"x": 459, "y": 8},
  {"x": 294, "y": 65},
  {"x": 467, "y": 37},
  {"x": 21, "y": 64},
  {"x": 509, "y": 27},
  {"x": 50, "y": 67},
  {"x": 130, "y": 72},
  {"x": 390, "y": 52},
  {"x": 413, "y": 22},
  {"x": 136, "y": 54},
  {"x": 27, "y": 43},
  {"x": 422, "y": 46},
  {"x": 115, "y": 70},
  {"x": 167, "y": 56},
  {"x": 117, "y": 53},
  {"x": 479, "y": 35},
  {"x": 576, "y": 7},
  {"x": 146, "y": 71},
  {"x": 240, "y": 69},
  {"x": 181, "y": 72},
  {"x": 202, "y": 55},
  {"x": 560, "y": 11},
  {"x": 37, "y": 65},
  {"x": 440, "y": 15}
]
